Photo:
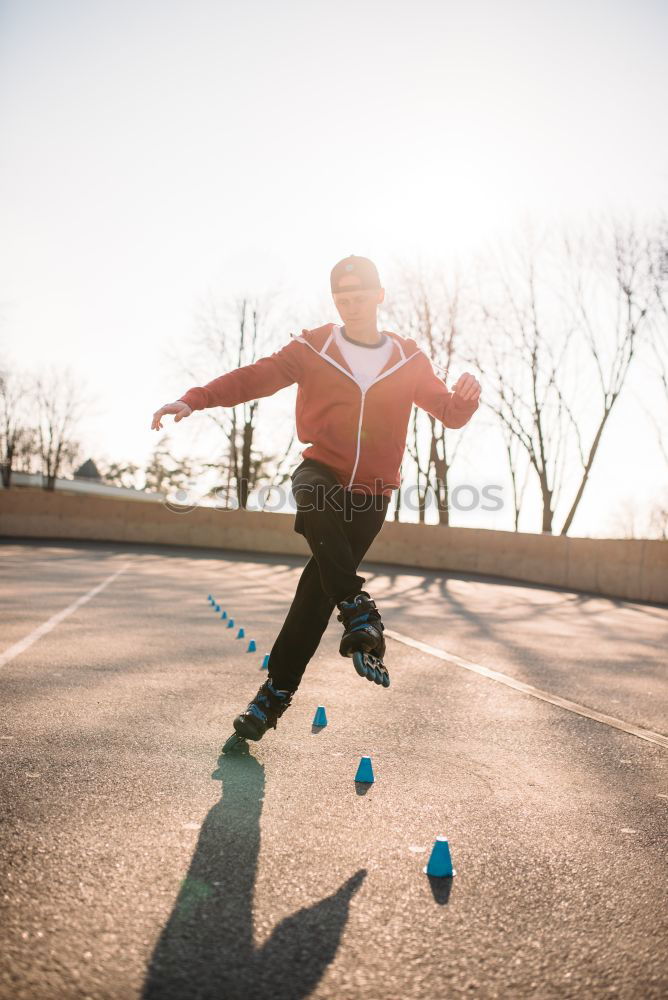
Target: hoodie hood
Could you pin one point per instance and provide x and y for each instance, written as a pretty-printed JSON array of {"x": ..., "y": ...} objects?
[{"x": 323, "y": 342}]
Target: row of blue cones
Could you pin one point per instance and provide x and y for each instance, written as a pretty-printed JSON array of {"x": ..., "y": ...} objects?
[
  {"x": 440, "y": 861},
  {"x": 241, "y": 634}
]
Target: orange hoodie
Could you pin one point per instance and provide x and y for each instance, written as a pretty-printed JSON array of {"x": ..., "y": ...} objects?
[{"x": 360, "y": 434}]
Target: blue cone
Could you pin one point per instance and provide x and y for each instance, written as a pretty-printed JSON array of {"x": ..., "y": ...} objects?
[
  {"x": 230, "y": 624},
  {"x": 320, "y": 717},
  {"x": 365, "y": 771},
  {"x": 223, "y": 616},
  {"x": 265, "y": 663},
  {"x": 440, "y": 862},
  {"x": 216, "y": 606},
  {"x": 251, "y": 646},
  {"x": 240, "y": 634},
  {"x": 210, "y": 599}
]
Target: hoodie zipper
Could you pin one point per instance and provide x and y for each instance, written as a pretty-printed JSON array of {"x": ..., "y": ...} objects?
[{"x": 359, "y": 437}]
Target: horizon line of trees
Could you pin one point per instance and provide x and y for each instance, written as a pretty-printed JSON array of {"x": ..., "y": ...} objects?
[{"x": 552, "y": 325}]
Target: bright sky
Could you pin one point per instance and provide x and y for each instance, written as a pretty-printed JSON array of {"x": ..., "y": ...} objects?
[{"x": 153, "y": 151}]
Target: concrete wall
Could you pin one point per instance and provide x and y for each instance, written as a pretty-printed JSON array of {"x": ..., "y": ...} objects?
[{"x": 632, "y": 569}]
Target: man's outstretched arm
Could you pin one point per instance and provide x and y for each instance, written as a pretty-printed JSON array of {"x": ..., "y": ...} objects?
[
  {"x": 453, "y": 409},
  {"x": 262, "y": 378}
]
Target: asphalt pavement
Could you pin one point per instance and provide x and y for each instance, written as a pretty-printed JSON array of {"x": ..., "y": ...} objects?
[{"x": 136, "y": 863}]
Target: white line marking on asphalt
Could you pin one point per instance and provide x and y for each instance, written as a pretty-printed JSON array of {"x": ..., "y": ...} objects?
[
  {"x": 495, "y": 675},
  {"x": 41, "y": 630},
  {"x": 553, "y": 699}
]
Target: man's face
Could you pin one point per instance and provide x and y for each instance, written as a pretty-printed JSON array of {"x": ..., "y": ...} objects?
[{"x": 357, "y": 307}]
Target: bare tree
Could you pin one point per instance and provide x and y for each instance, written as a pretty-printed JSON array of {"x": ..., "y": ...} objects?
[
  {"x": 164, "y": 471},
  {"x": 658, "y": 519},
  {"x": 659, "y": 352},
  {"x": 631, "y": 257},
  {"x": 59, "y": 405},
  {"x": 421, "y": 468},
  {"x": 518, "y": 471},
  {"x": 232, "y": 334},
  {"x": 428, "y": 307},
  {"x": 628, "y": 521},
  {"x": 280, "y": 468},
  {"x": 17, "y": 439},
  {"x": 553, "y": 343},
  {"x": 518, "y": 366},
  {"x": 396, "y": 513},
  {"x": 658, "y": 341},
  {"x": 120, "y": 473},
  {"x": 26, "y": 454}
]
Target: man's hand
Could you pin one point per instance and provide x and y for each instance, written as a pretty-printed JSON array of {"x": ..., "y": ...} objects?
[
  {"x": 180, "y": 409},
  {"x": 467, "y": 387}
]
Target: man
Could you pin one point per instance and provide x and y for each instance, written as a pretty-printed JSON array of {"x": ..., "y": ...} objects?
[{"x": 357, "y": 387}]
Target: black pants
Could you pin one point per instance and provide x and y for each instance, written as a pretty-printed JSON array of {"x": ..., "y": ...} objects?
[{"x": 339, "y": 527}]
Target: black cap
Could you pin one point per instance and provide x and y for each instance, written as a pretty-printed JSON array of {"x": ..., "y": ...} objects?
[{"x": 360, "y": 267}]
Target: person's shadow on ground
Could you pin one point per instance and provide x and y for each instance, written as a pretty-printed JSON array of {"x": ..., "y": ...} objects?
[{"x": 206, "y": 949}]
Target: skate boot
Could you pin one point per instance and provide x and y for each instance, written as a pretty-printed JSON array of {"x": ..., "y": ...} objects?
[
  {"x": 363, "y": 637},
  {"x": 262, "y": 713}
]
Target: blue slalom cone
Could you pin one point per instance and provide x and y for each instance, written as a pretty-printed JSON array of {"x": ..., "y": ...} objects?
[
  {"x": 251, "y": 646},
  {"x": 240, "y": 634},
  {"x": 320, "y": 717},
  {"x": 210, "y": 599},
  {"x": 440, "y": 862},
  {"x": 265, "y": 663},
  {"x": 230, "y": 623},
  {"x": 365, "y": 771},
  {"x": 216, "y": 606},
  {"x": 223, "y": 616}
]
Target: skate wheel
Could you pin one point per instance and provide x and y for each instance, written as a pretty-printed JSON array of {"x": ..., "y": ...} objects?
[
  {"x": 236, "y": 744},
  {"x": 369, "y": 666},
  {"x": 359, "y": 663}
]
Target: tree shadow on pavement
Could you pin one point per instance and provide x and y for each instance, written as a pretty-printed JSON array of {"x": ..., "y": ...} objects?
[{"x": 206, "y": 950}]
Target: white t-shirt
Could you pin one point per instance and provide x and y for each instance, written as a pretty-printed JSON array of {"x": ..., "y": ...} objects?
[{"x": 365, "y": 361}]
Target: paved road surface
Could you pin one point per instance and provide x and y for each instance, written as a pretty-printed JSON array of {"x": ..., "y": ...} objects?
[{"x": 136, "y": 866}]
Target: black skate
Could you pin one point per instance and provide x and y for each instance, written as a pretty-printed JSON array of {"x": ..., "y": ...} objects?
[
  {"x": 363, "y": 637},
  {"x": 263, "y": 712}
]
